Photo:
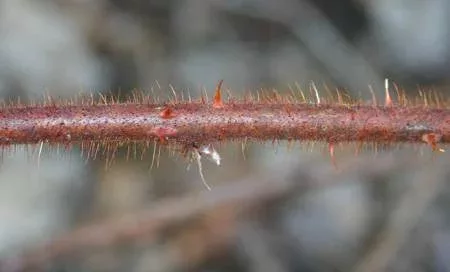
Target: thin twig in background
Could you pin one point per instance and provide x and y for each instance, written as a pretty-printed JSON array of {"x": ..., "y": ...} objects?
[
  {"x": 236, "y": 197},
  {"x": 424, "y": 189},
  {"x": 150, "y": 223}
]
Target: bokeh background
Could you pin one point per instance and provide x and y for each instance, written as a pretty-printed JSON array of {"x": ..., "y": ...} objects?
[{"x": 384, "y": 209}]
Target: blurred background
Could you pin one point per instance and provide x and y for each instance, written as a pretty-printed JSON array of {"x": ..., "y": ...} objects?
[{"x": 274, "y": 206}]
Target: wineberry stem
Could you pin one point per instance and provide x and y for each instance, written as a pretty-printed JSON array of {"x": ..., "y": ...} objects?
[{"x": 200, "y": 123}]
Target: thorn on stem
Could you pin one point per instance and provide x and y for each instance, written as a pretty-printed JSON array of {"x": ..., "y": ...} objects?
[
  {"x": 218, "y": 96},
  {"x": 388, "y": 101},
  {"x": 432, "y": 139}
]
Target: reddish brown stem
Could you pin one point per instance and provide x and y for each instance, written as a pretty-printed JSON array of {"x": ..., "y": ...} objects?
[{"x": 188, "y": 123}]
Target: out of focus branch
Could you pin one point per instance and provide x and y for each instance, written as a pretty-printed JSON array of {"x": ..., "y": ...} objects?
[{"x": 238, "y": 198}]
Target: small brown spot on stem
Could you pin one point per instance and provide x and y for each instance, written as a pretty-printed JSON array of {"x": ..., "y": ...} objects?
[
  {"x": 167, "y": 113},
  {"x": 163, "y": 132}
]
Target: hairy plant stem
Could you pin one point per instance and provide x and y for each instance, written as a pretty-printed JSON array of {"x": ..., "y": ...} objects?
[{"x": 200, "y": 123}]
